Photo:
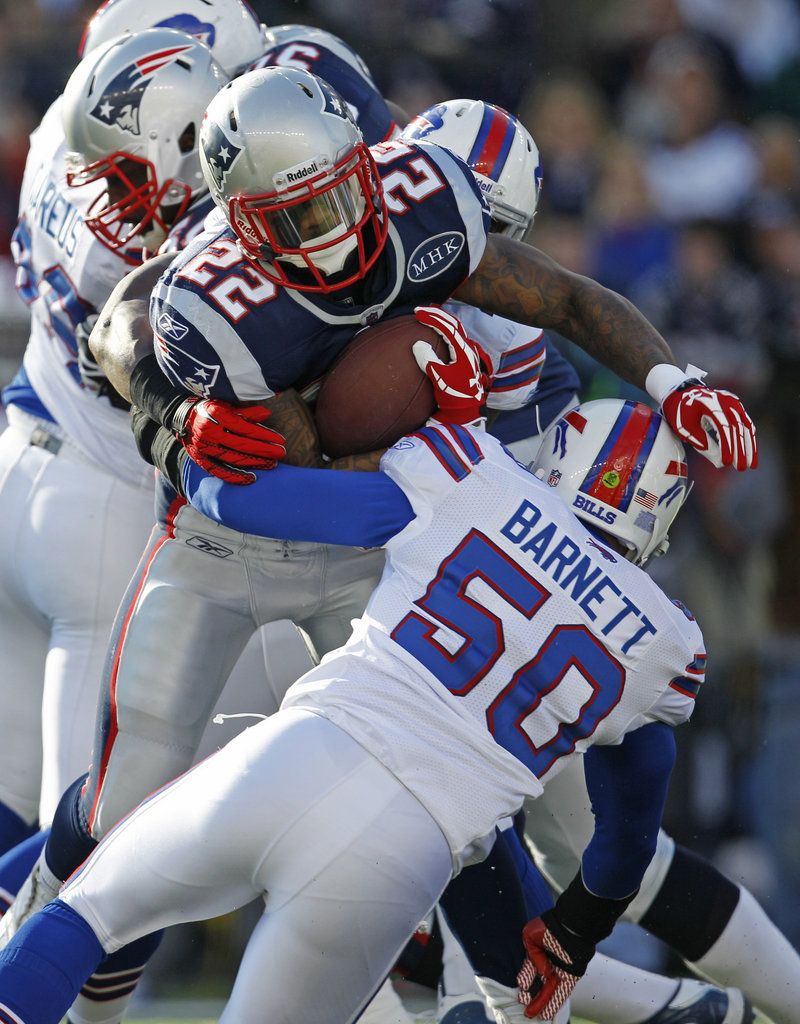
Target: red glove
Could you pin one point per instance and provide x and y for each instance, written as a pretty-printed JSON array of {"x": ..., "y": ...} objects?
[
  {"x": 713, "y": 422},
  {"x": 228, "y": 440},
  {"x": 460, "y": 385},
  {"x": 557, "y": 959}
]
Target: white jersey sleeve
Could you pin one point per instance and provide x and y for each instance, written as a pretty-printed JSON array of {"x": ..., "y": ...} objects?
[{"x": 517, "y": 353}]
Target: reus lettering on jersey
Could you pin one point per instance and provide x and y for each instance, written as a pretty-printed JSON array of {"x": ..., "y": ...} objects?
[
  {"x": 433, "y": 256},
  {"x": 120, "y": 102}
]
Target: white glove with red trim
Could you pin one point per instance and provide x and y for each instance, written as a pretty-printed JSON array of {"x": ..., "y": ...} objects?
[
  {"x": 713, "y": 422},
  {"x": 460, "y": 385}
]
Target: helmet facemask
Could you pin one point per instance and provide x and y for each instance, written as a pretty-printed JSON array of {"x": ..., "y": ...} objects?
[
  {"x": 134, "y": 208},
  {"x": 331, "y": 225}
]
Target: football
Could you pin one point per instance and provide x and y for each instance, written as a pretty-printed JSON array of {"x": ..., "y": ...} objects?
[{"x": 375, "y": 393}]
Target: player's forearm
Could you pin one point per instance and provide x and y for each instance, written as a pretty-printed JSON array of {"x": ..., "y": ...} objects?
[
  {"x": 122, "y": 336},
  {"x": 627, "y": 784},
  {"x": 292, "y": 417},
  {"x": 522, "y": 283}
]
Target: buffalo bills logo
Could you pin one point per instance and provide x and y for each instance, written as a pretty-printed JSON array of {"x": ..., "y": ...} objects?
[
  {"x": 219, "y": 151},
  {"x": 121, "y": 99},
  {"x": 425, "y": 123},
  {"x": 192, "y": 26}
]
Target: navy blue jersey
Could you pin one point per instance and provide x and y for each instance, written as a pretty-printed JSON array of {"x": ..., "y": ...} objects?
[
  {"x": 224, "y": 330},
  {"x": 330, "y": 58}
]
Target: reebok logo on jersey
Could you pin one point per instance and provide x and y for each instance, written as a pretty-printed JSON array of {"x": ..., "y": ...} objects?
[
  {"x": 120, "y": 102},
  {"x": 171, "y": 327},
  {"x": 433, "y": 256}
]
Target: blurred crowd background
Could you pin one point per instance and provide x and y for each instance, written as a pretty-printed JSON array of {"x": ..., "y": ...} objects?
[{"x": 670, "y": 139}]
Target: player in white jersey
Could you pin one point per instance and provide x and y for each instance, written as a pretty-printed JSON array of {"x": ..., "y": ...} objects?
[
  {"x": 504, "y": 640},
  {"x": 718, "y": 920},
  {"x": 75, "y": 503}
]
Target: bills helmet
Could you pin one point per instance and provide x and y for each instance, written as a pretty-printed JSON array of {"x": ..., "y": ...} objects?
[
  {"x": 229, "y": 28},
  {"x": 131, "y": 113},
  {"x": 286, "y": 163},
  {"x": 499, "y": 151},
  {"x": 620, "y": 469}
]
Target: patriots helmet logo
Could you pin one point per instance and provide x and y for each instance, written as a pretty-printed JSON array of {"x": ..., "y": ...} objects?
[
  {"x": 121, "y": 99},
  {"x": 333, "y": 103},
  {"x": 220, "y": 153}
]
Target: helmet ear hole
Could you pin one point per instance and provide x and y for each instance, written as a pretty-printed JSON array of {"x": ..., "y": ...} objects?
[{"x": 188, "y": 138}]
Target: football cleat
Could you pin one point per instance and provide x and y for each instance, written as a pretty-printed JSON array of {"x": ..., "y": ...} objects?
[
  {"x": 466, "y": 1008},
  {"x": 698, "y": 1003}
]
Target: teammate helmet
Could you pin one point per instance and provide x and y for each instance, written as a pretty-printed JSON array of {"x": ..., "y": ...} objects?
[
  {"x": 286, "y": 163},
  {"x": 229, "y": 28},
  {"x": 131, "y": 113},
  {"x": 499, "y": 151},
  {"x": 620, "y": 469}
]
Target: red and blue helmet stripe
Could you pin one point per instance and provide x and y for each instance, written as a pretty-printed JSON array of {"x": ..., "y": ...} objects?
[{"x": 615, "y": 473}]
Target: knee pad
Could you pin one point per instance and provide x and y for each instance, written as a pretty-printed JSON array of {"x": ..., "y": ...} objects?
[
  {"x": 692, "y": 907},
  {"x": 70, "y": 842}
]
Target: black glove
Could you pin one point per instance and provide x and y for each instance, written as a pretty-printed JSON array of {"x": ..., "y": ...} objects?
[{"x": 160, "y": 447}]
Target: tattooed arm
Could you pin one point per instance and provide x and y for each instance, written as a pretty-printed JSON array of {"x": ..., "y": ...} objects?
[
  {"x": 522, "y": 283},
  {"x": 292, "y": 418}
]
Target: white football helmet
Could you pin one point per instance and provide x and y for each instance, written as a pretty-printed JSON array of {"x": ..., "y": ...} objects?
[
  {"x": 229, "y": 28},
  {"x": 286, "y": 163},
  {"x": 500, "y": 152},
  {"x": 620, "y": 469},
  {"x": 131, "y": 114}
]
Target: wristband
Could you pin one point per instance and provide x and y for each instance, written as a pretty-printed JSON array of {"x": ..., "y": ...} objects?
[
  {"x": 151, "y": 391},
  {"x": 666, "y": 377},
  {"x": 588, "y": 916}
]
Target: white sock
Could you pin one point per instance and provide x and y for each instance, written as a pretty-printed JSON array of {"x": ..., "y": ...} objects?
[
  {"x": 753, "y": 955},
  {"x": 93, "y": 1011},
  {"x": 612, "y": 992}
]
